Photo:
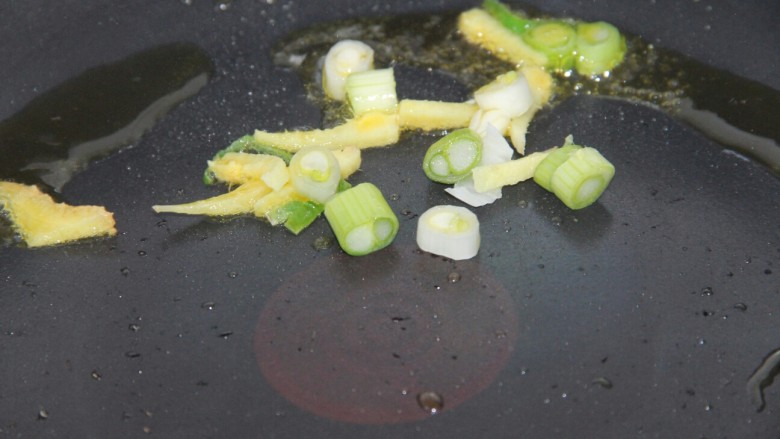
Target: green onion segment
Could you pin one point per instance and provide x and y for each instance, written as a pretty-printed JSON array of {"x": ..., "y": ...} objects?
[
  {"x": 296, "y": 215},
  {"x": 545, "y": 170},
  {"x": 600, "y": 47},
  {"x": 315, "y": 173},
  {"x": 343, "y": 59},
  {"x": 361, "y": 219},
  {"x": 449, "y": 231},
  {"x": 372, "y": 90},
  {"x": 590, "y": 48},
  {"x": 506, "y": 16},
  {"x": 581, "y": 179},
  {"x": 556, "y": 39},
  {"x": 453, "y": 156},
  {"x": 576, "y": 175}
]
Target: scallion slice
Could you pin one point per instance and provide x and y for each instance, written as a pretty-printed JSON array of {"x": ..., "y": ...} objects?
[
  {"x": 372, "y": 90},
  {"x": 581, "y": 179},
  {"x": 343, "y": 59},
  {"x": 453, "y": 156},
  {"x": 600, "y": 47},
  {"x": 557, "y": 40},
  {"x": 546, "y": 169},
  {"x": 507, "y": 17},
  {"x": 449, "y": 231},
  {"x": 315, "y": 173},
  {"x": 296, "y": 215},
  {"x": 361, "y": 219}
]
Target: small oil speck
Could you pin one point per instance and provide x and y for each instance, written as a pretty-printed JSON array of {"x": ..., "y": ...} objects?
[
  {"x": 141, "y": 253},
  {"x": 707, "y": 291},
  {"x": 96, "y": 375},
  {"x": 322, "y": 243},
  {"x": 225, "y": 335},
  {"x": 147, "y": 429},
  {"x": 522, "y": 204},
  {"x": 43, "y": 414},
  {"x": 708, "y": 407},
  {"x": 603, "y": 382},
  {"x": 431, "y": 402},
  {"x": 556, "y": 220},
  {"x": 741, "y": 306},
  {"x": 232, "y": 275},
  {"x": 125, "y": 271},
  {"x": 132, "y": 354},
  {"x": 453, "y": 277},
  {"x": 208, "y": 305},
  {"x": 767, "y": 271},
  {"x": 395, "y": 197},
  {"x": 134, "y": 327}
]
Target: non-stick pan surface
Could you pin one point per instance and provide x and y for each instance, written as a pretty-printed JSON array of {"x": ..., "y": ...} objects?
[{"x": 644, "y": 315}]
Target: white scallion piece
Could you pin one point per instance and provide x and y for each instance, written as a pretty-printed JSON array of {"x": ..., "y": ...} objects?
[
  {"x": 449, "y": 231},
  {"x": 509, "y": 93},
  {"x": 343, "y": 59},
  {"x": 315, "y": 173},
  {"x": 372, "y": 90}
]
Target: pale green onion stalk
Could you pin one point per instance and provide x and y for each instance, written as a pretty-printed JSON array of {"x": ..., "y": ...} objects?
[
  {"x": 361, "y": 219},
  {"x": 556, "y": 39},
  {"x": 581, "y": 179},
  {"x": 547, "y": 168},
  {"x": 452, "y": 157},
  {"x": 600, "y": 47},
  {"x": 372, "y": 90},
  {"x": 343, "y": 59},
  {"x": 315, "y": 173},
  {"x": 449, "y": 231}
]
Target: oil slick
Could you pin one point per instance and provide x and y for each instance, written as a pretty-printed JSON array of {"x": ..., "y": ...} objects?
[
  {"x": 98, "y": 113},
  {"x": 763, "y": 378}
]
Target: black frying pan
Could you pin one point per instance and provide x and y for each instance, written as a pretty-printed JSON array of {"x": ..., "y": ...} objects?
[{"x": 643, "y": 315}]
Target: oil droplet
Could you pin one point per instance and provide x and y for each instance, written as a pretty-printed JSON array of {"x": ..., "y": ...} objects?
[
  {"x": 430, "y": 401},
  {"x": 603, "y": 382},
  {"x": 125, "y": 271},
  {"x": 707, "y": 291},
  {"x": 322, "y": 243},
  {"x": 232, "y": 275},
  {"x": 453, "y": 277},
  {"x": 96, "y": 375},
  {"x": 43, "y": 414},
  {"x": 141, "y": 253},
  {"x": 208, "y": 305},
  {"x": 134, "y": 327},
  {"x": 132, "y": 354},
  {"x": 741, "y": 306}
]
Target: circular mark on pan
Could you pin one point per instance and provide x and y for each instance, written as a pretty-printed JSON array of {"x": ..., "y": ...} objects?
[{"x": 359, "y": 339}]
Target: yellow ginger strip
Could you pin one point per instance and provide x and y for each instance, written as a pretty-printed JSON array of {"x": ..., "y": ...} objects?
[
  {"x": 434, "y": 115},
  {"x": 236, "y": 202},
  {"x": 491, "y": 177},
  {"x": 366, "y": 131},
  {"x": 41, "y": 221}
]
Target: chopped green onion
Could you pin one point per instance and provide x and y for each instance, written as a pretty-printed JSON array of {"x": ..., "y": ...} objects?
[
  {"x": 557, "y": 40},
  {"x": 246, "y": 144},
  {"x": 546, "y": 169},
  {"x": 506, "y": 16},
  {"x": 581, "y": 179},
  {"x": 600, "y": 47},
  {"x": 361, "y": 219},
  {"x": 453, "y": 156},
  {"x": 372, "y": 90},
  {"x": 449, "y": 231},
  {"x": 296, "y": 215},
  {"x": 343, "y": 59},
  {"x": 315, "y": 173}
]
